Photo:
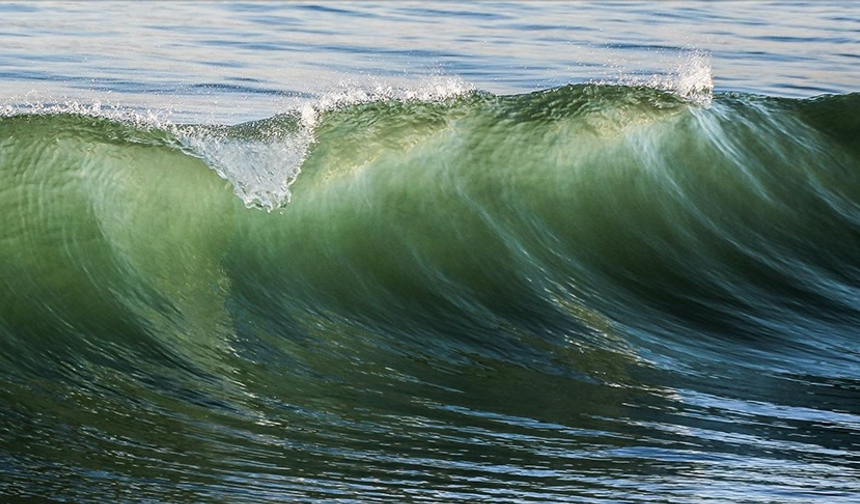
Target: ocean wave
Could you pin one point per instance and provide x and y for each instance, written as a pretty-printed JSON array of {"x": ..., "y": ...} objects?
[
  {"x": 630, "y": 201},
  {"x": 622, "y": 244}
]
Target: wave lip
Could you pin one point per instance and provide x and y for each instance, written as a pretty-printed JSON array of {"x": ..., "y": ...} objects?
[{"x": 689, "y": 75}]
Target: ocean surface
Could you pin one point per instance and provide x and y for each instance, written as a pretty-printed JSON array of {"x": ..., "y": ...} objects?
[{"x": 430, "y": 252}]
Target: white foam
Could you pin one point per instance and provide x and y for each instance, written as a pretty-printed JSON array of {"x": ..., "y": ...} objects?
[
  {"x": 103, "y": 108},
  {"x": 692, "y": 78},
  {"x": 687, "y": 74},
  {"x": 261, "y": 169},
  {"x": 434, "y": 89}
]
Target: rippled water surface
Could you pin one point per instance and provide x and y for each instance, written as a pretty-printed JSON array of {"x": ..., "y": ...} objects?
[{"x": 246, "y": 60}]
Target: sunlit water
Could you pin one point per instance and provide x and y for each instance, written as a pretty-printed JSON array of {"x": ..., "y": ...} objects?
[{"x": 237, "y": 61}]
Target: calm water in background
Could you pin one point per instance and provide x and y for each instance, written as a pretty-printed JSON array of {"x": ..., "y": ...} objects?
[
  {"x": 586, "y": 294},
  {"x": 234, "y": 61}
]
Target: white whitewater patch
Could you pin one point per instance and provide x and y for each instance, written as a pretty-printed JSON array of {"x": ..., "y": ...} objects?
[
  {"x": 691, "y": 78},
  {"x": 688, "y": 75},
  {"x": 261, "y": 168}
]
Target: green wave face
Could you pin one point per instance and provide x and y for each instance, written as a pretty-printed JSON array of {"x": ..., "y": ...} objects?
[
  {"x": 106, "y": 226},
  {"x": 505, "y": 206},
  {"x": 484, "y": 268}
]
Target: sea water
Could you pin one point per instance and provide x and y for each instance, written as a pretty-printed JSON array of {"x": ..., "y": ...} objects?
[{"x": 429, "y": 252}]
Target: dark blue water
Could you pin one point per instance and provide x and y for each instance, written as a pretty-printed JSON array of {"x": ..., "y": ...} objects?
[{"x": 429, "y": 252}]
